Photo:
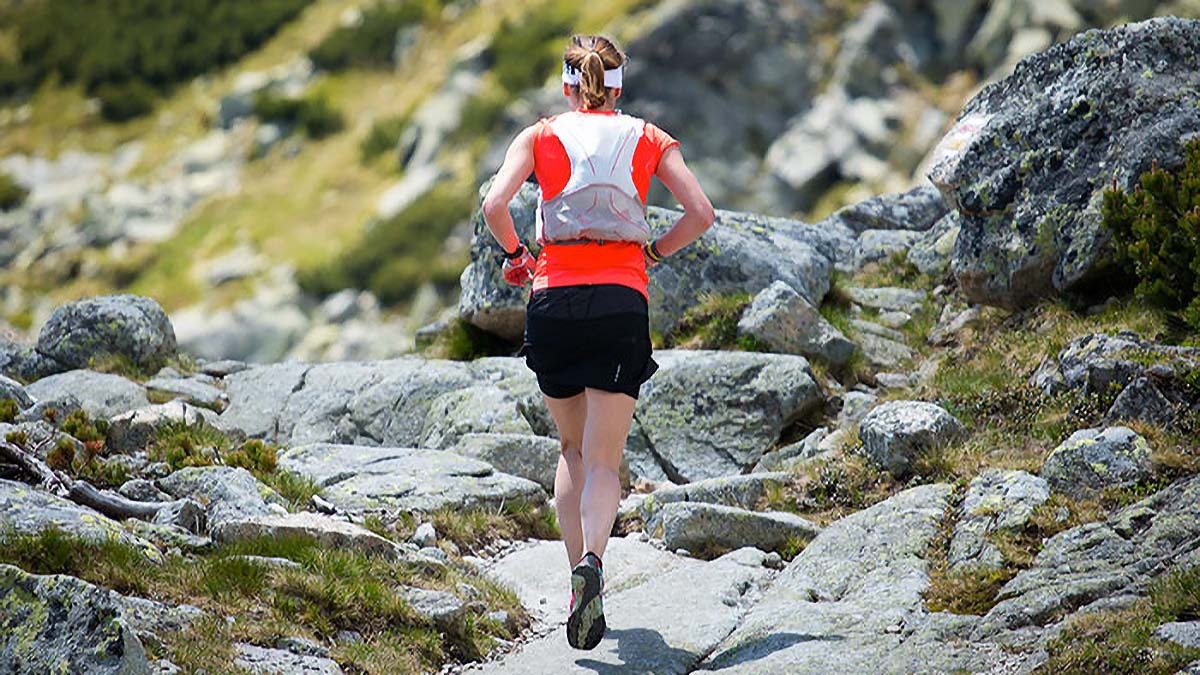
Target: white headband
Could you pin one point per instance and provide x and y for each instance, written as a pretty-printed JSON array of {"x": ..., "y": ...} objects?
[{"x": 612, "y": 78}]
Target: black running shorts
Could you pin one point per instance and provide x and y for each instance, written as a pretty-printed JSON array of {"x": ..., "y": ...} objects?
[{"x": 588, "y": 336}]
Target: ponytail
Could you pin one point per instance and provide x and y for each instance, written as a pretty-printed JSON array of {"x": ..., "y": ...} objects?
[
  {"x": 591, "y": 55},
  {"x": 591, "y": 85}
]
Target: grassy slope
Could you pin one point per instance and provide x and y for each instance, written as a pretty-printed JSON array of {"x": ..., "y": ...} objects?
[{"x": 299, "y": 210}]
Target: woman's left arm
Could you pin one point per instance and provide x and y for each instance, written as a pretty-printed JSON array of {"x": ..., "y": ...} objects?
[{"x": 518, "y": 164}]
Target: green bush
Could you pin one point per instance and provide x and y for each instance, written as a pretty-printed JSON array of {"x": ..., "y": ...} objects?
[
  {"x": 12, "y": 194},
  {"x": 135, "y": 41},
  {"x": 383, "y": 137},
  {"x": 314, "y": 114},
  {"x": 368, "y": 44},
  {"x": 1156, "y": 234},
  {"x": 121, "y": 101},
  {"x": 529, "y": 49},
  {"x": 395, "y": 256},
  {"x": 8, "y": 410}
]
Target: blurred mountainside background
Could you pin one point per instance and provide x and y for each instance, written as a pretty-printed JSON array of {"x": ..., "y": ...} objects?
[{"x": 295, "y": 178}]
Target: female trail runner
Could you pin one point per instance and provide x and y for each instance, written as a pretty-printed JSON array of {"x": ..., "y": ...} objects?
[{"x": 587, "y": 334}]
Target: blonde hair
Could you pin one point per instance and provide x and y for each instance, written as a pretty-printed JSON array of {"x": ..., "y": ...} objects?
[{"x": 591, "y": 55}]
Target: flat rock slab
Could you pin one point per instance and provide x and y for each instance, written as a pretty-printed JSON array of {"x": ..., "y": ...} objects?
[
  {"x": 60, "y": 624},
  {"x": 228, "y": 493},
  {"x": 997, "y": 500},
  {"x": 330, "y": 532},
  {"x": 693, "y": 525},
  {"x": 665, "y": 625},
  {"x": 193, "y": 391},
  {"x": 1095, "y": 561},
  {"x": 356, "y": 477},
  {"x": 524, "y": 455},
  {"x": 889, "y": 299},
  {"x": 851, "y": 601},
  {"x": 26, "y": 510},
  {"x": 744, "y": 491},
  {"x": 540, "y": 577},
  {"x": 102, "y": 395},
  {"x": 263, "y": 661}
]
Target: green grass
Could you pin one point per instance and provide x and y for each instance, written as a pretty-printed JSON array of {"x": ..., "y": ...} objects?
[
  {"x": 296, "y": 489},
  {"x": 332, "y": 590},
  {"x": 383, "y": 137},
  {"x": 463, "y": 342},
  {"x": 1122, "y": 642},
  {"x": 710, "y": 324},
  {"x": 314, "y": 114}
]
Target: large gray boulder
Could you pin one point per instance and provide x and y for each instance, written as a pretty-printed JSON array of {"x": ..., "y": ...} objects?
[
  {"x": 1028, "y": 160},
  {"x": 1094, "y": 459},
  {"x": 358, "y": 478},
  {"x": 706, "y": 414},
  {"x": 741, "y": 253},
  {"x": 851, "y": 602},
  {"x": 695, "y": 525},
  {"x": 100, "y": 394},
  {"x": 997, "y": 501},
  {"x": 784, "y": 321},
  {"x": 60, "y": 624},
  {"x": 370, "y": 403},
  {"x": 896, "y": 433},
  {"x": 1120, "y": 556},
  {"x": 228, "y": 493},
  {"x": 126, "y": 327}
]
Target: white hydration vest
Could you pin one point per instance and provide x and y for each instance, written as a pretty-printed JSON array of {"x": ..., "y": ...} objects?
[{"x": 600, "y": 201}]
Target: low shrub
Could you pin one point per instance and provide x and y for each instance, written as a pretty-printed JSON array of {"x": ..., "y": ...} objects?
[
  {"x": 383, "y": 137},
  {"x": 395, "y": 256},
  {"x": 370, "y": 42},
  {"x": 1156, "y": 234},
  {"x": 8, "y": 410},
  {"x": 313, "y": 114},
  {"x": 12, "y": 194},
  {"x": 122, "y": 101}
]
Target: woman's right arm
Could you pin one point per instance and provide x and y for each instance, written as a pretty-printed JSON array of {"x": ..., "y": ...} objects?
[
  {"x": 518, "y": 164},
  {"x": 698, "y": 212}
]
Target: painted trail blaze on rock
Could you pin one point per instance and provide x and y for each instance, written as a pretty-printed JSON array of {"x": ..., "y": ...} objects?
[{"x": 1028, "y": 161}]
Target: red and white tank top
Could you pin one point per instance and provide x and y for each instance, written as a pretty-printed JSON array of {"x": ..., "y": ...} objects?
[{"x": 594, "y": 169}]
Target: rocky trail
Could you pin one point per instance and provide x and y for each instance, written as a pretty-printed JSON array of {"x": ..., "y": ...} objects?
[{"x": 866, "y": 472}]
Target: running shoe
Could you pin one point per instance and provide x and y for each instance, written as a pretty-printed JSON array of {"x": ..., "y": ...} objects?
[{"x": 585, "y": 625}]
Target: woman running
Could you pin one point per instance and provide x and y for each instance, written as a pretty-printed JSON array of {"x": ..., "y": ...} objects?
[{"x": 587, "y": 333}]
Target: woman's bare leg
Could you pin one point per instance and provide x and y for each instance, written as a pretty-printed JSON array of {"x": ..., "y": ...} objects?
[
  {"x": 609, "y": 416},
  {"x": 569, "y": 416}
]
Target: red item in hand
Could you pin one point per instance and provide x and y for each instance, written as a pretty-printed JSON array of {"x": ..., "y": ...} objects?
[{"x": 519, "y": 271}]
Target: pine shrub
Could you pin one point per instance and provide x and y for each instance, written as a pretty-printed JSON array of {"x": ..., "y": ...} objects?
[
  {"x": 12, "y": 194},
  {"x": 1156, "y": 234}
]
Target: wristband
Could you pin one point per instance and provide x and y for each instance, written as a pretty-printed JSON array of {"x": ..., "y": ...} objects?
[
  {"x": 652, "y": 252},
  {"x": 520, "y": 250}
]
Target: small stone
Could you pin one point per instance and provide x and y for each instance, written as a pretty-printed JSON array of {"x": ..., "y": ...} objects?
[
  {"x": 351, "y": 637},
  {"x": 773, "y": 560},
  {"x": 425, "y": 536},
  {"x": 683, "y": 552}
]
